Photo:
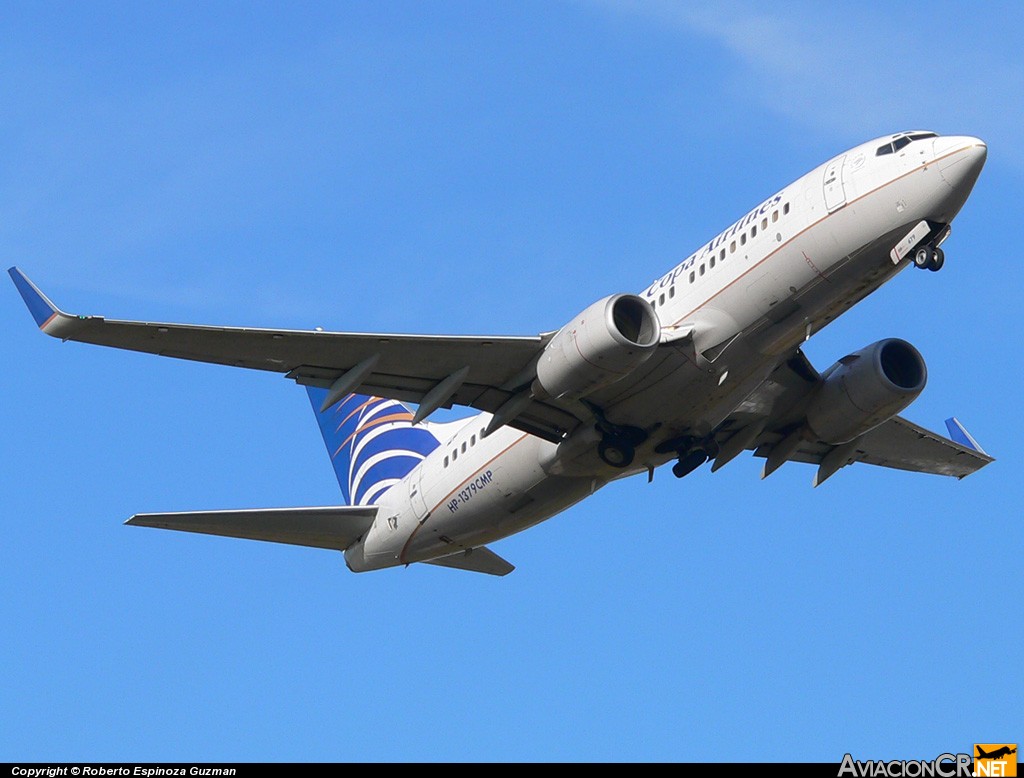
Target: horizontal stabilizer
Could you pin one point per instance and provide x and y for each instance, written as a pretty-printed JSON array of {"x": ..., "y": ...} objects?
[
  {"x": 320, "y": 527},
  {"x": 477, "y": 560}
]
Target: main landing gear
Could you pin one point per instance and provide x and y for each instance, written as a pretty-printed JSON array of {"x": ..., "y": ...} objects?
[
  {"x": 692, "y": 453},
  {"x": 618, "y": 441},
  {"x": 617, "y": 451},
  {"x": 929, "y": 257},
  {"x": 689, "y": 462}
]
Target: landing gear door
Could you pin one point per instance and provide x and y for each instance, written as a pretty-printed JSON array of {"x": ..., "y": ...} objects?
[{"x": 835, "y": 192}]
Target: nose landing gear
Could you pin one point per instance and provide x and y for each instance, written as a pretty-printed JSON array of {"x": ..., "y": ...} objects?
[{"x": 929, "y": 257}]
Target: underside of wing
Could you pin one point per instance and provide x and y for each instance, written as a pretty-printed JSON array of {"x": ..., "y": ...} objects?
[
  {"x": 320, "y": 527},
  {"x": 772, "y": 423},
  {"x": 896, "y": 443},
  {"x": 479, "y": 372}
]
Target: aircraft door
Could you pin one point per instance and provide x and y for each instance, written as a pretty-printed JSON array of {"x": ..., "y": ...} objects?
[
  {"x": 416, "y": 497},
  {"x": 835, "y": 192}
]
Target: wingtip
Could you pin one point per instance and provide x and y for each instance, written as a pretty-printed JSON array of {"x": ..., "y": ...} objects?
[
  {"x": 958, "y": 434},
  {"x": 38, "y": 304}
]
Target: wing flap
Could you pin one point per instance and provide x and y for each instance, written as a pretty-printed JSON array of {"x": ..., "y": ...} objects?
[
  {"x": 477, "y": 560},
  {"x": 320, "y": 527}
]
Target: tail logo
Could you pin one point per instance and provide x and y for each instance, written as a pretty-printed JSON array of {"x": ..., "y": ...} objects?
[{"x": 372, "y": 443}]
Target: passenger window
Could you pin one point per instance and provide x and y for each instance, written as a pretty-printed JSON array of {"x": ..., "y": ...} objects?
[
  {"x": 455, "y": 455},
  {"x": 463, "y": 447},
  {"x": 702, "y": 269},
  {"x": 764, "y": 224},
  {"x": 743, "y": 239},
  {"x": 472, "y": 441},
  {"x": 446, "y": 461},
  {"x": 721, "y": 255},
  {"x": 672, "y": 291},
  {"x": 692, "y": 276},
  {"x": 785, "y": 209},
  {"x": 732, "y": 247},
  {"x": 775, "y": 216},
  {"x": 712, "y": 263},
  {"x": 753, "y": 231},
  {"x": 661, "y": 299}
]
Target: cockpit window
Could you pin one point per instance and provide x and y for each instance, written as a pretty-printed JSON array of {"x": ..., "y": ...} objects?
[{"x": 901, "y": 141}]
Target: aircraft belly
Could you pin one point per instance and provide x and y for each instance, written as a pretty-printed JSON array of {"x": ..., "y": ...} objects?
[
  {"x": 479, "y": 526},
  {"x": 511, "y": 494}
]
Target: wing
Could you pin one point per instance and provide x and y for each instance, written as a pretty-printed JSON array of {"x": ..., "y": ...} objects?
[
  {"x": 901, "y": 445},
  {"x": 438, "y": 371},
  {"x": 327, "y": 527},
  {"x": 769, "y": 423}
]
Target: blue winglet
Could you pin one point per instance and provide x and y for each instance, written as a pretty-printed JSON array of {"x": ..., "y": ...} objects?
[
  {"x": 39, "y": 305},
  {"x": 959, "y": 434}
]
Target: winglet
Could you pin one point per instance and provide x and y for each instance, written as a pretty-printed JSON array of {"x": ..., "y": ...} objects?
[
  {"x": 39, "y": 305},
  {"x": 959, "y": 434}
]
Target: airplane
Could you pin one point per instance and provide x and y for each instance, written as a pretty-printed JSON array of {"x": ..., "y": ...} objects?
[
  {"x": 999, "y": 753},
  {"x": 702, "y": 365}
]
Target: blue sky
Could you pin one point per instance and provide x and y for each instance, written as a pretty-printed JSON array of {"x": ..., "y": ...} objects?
[{"x": 460, "y": 168}]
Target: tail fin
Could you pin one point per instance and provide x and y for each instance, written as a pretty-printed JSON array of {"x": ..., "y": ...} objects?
[{"x": 371, "y": 441}]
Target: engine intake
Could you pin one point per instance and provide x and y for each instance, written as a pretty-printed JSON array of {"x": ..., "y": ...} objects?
[
  {"x": 604, "y": 343},
  {"x": 866, "y": 388}
]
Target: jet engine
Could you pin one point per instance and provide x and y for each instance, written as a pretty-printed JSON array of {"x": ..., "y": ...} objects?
[
  {"x": 603, "y": 344},
  {"x": 866, "y": 388}
]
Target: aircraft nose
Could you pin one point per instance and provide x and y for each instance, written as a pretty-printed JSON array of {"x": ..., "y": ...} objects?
[
  {"x": 978, "y": 152},
  {"x": 960, "y": 159}
]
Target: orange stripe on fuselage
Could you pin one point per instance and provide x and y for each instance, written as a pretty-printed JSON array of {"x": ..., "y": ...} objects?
[
  {"x": 812, "y": 226},
  {"x": 520, "y": 439}
]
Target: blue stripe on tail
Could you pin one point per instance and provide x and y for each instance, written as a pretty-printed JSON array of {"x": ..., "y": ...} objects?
[{"x": 371, "y": 442}]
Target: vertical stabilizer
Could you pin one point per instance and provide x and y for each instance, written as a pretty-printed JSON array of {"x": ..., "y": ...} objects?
[{"x": 371, "y": 441}]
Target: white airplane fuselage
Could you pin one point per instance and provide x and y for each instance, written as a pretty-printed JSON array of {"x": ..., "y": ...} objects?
[{"x": 782, "y": 272}]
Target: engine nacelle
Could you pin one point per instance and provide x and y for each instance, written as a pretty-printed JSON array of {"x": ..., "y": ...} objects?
[
  {"x": 606, "y": 342},
  {"x": 866, "y": 388}
]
